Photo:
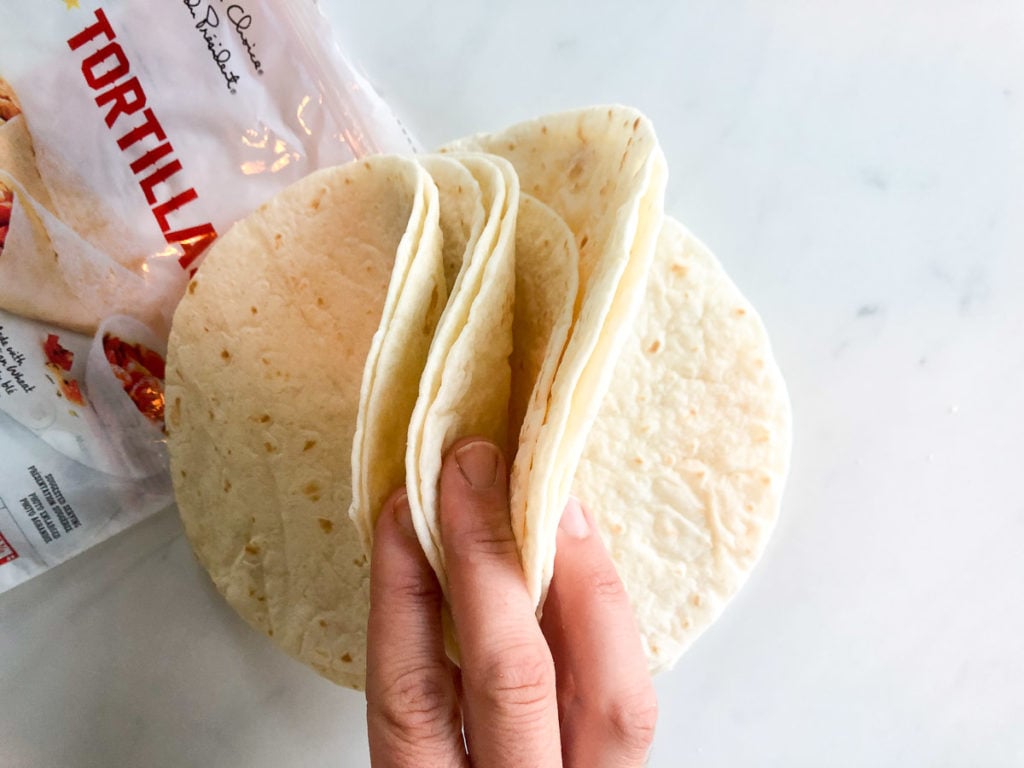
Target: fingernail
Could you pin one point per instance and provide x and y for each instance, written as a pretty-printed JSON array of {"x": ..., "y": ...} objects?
[
  {"x": 478, "y": 463},
  {"x": 574, "y": 522},
  {"x": 403, "y": 515}
]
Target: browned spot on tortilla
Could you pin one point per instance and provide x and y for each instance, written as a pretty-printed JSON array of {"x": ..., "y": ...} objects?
[
  {"x": 366, "y": 166},
  {"x": 678, "y": 269},
  {"x": 347, "y": 658},
  {"x": 225, "y": 355},
  {"x": 325, "y": 525},
  {"x": 183, "y": 473},
  {"x": 311, "y": 488},
  {"x": 322, "y": 623},
  {"x": 576, "y": 170},
  {"x": 740, "y": 311},
  {"x": 636, "y": 123},
  {"x": 270, "y": 633},
  {"x": 583, "y": 241},
  {"x": 310, "y": 444},
  {"x": 252, "y": 549},
  {"x": 511, "y": 146},
  {"x": 265, "y": 418},
  {"x": 697, "y": 600},
  {"x": 227, "y": 486},
  {"x": 655, "y": 346},
  {"x": 544, "y": 130},
  {"x": 269, "y": 447},
  {"x": 278, "y": 239},
  {"x": 192, "y": 286}
]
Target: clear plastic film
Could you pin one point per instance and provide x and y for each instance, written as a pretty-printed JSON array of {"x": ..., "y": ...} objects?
[{"x": 132, "y": 134}]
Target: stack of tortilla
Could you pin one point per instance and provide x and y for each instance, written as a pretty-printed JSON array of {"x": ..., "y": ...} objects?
[{"x": 525, "y": 286}]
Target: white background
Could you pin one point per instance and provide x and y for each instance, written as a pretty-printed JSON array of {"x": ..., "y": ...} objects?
[{"x": 858, "y": 166}]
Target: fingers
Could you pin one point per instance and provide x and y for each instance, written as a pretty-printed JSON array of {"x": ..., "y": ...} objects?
[
  {"x": 412, "y": 709},
  {"x": 508, "y": 678},
  {"x": 606, "y": 699}
]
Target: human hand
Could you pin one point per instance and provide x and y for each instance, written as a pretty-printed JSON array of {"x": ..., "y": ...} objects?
[{"x": 573, "y": 690}]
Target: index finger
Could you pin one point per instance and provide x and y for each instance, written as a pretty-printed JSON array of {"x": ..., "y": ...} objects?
[{"x": 508, "y": 676}]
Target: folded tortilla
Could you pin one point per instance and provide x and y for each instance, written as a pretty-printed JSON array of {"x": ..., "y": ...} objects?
[
  {"x": 602, "y": 171},
  {"x": 464, "y": 388},
  {"x": 392, "y": 377}
]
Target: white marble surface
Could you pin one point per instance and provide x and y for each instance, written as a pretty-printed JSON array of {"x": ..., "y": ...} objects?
[{"x": 859, "y": 168}]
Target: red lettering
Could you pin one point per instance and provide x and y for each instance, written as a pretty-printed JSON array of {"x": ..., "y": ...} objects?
[
  {"x": 102, "y": 26},
  {"x": 151, "y": 127},
  {"x": 162, "y": 211},
  {"x": 103, "y": 69},
  {"x": 93, "y": 61},
  {"x": 128, "y": 98},
  {"x": 159, "y": 176},
  {"x": 151, "y": 157},
  {"x": 193, "y": 242}
]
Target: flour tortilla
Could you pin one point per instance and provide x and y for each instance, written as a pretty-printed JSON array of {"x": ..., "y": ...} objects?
[
  {"x": 465, "y": 385},
  {"x": 48, "y": 272},
  {"x": 547, "y": 281},
  {"x": 389, "y": 395},
  {"x": 265, "y": 366},
  {"x": 685, "y": 464},
  {"x": 601, "y": 170}
]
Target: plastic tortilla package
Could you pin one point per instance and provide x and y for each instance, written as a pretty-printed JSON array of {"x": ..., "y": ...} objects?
[{"x": 131, "y": 135}]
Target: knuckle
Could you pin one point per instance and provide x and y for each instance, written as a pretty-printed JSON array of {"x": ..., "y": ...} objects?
[
  {"x": 633, "y": 718},
  {"x": 605, "y": 584},
  {"x": 415, "y": 590},
  {"x": 488, "y": 542},
  {"x": 494, "y": 541},
  {"x": 519, "y": 682},
  {"x": 415, "y": 706}
]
